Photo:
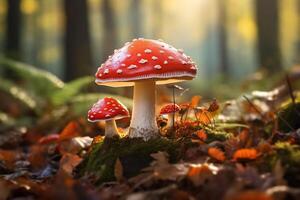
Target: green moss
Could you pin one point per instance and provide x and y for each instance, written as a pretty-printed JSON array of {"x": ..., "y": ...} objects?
[
  {"x": 289, "y": 117},
  {"x": 289, "y": 156},
  {"x": 134, "y": 155}
]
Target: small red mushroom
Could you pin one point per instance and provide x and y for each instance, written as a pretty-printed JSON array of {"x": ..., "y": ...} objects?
[
  {"x": 109, "y": 110},
  {"x": 170, "y": 110},
  {"x": 143, "y": 63}
]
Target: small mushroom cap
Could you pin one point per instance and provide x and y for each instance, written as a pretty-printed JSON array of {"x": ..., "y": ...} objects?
[
  {"x": 169, "y": 108},
  {"x": 106, "y": 109},
  {"x": 144, "y": 59}
]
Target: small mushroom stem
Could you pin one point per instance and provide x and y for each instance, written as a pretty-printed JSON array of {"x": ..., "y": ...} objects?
[
  {"x": 143, "y": 122},
  {"x": 111, "y": 129},
  {"x": 171, "y": 121}
]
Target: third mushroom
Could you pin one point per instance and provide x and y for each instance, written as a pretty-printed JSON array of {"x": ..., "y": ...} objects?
[{"x": 145, "y": 63}]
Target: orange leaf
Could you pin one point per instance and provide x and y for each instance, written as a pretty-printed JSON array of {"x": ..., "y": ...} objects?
[
  {"x": 203, "y": 116},
  {"x": 250, "y": 195},
  {"x": 216, "y": 154},
  {"x": 195, "y": 101},
  {"x": 245, "y": 154},
  {"x": 201, "y": 135},
  {"x": 198, "y": 174},
  {"x": 48, "y": 139},
  {"x": 70, "y": 131}
]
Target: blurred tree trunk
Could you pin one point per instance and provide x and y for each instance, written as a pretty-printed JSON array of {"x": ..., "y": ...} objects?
[
  {"x": 158, "y": 18},
  {"x": 298, "y": 41},
  {"x": 267, "y": 17},
  {"x": 135, "y": 18},
  {"x": 222, "y": 27},
  {"x": 13, "y": 30},
  {"x": 77, "y": 40},
  {"x": 109, "y": 29}
]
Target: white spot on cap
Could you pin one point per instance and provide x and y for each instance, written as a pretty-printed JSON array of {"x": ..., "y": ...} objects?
[
  {"x": 106, "y": 71},
  {"x": 180, "y": 50},
  {"x": 154, "y": 58},
  {"x": 165, "y": 62},
  {"x": 134, "y": 39},
  {"x": 100, "y": 75},
  {"x": 105, "y": 108},
  {"x": 123, "y": 65},
  {"x": 107, "y": 115},
  {"x": 140, "y": 38},
  {"x": 128, "y": 55},
  {"x": 114, "y": 104},
  {"x": 139, "y": 55},
  {"x": 161, "y": 51},
  {"x": 193, "y": 68},
  {"x": 157, "y": 67},
  {"x": 148, "y": 51},
  {"x": 108, "y": 103},
  {"x": 119, "y": 71},
  {"x": 183, "y": 62},
  {"x": 132, "y": 67},
  {"x": 170, "y": 57},
  {"x": 143, "y": 61}
]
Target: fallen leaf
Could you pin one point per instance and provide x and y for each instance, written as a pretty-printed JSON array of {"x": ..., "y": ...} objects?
[
  {"x": 216, "y": 154},
  {"x": 118, "y": 170},
  {"x": 70, "y": 131},
  {"x": 245, "y": 154},
  {"x": 68, "y": 162}
]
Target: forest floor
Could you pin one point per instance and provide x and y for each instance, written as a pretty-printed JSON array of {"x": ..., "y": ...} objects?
[{"x": 243, "y": 149}]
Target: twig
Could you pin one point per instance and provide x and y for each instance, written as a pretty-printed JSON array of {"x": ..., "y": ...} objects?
[
  {"x": 253, "y": 106},
  {"x": 290, "y": 88},
  {"x": 291, "y": 93},
  {"x": 284, "y": 121}
]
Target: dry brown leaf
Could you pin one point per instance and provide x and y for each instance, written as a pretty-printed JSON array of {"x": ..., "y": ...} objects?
[
  {"x": 68, "y": 162},
  {"x": 118, "y": 171}
]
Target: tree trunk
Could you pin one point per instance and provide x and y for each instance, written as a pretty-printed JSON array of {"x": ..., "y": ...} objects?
[
  {"x": 13, "y": 30},
  {"x": 222, "y": 23},
  {"x": 158, "y": 19},
  {"x": 109, "y": 29},
  {"x": 77, "y": 40},
  {"x": 135, "y": 18},
  {"x": 267, "y": 16}
]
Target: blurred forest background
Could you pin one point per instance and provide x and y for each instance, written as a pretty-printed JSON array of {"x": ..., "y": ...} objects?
[{"x": 230, "y": 40}]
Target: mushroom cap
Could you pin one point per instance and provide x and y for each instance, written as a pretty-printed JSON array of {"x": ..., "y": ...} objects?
[
  {"x": 106, "y": 109},
  {"x": 169, "y": 108},
  {"x": 144, "y": 59}
]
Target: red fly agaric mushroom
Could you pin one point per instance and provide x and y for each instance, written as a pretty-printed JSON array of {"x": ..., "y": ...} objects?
[
  {"x": 170, "y": 110},
  {"x": 109, "y": 110},
  {"x": 143, "y": 63}
]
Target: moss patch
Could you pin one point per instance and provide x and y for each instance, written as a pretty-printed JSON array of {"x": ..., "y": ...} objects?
[
  {"x": 289, "y": 117},
  {"x": 134, "y": 155}
]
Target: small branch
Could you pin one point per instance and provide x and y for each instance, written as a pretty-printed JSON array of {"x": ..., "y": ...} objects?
[{"x": 253, "y": 106}]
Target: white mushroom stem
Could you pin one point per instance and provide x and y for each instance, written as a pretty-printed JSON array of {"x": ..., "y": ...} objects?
[
  {"x": 143, "y": 121},
  {"x": 111, "y": 129},
  {"x": 171, "y": 121}
]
